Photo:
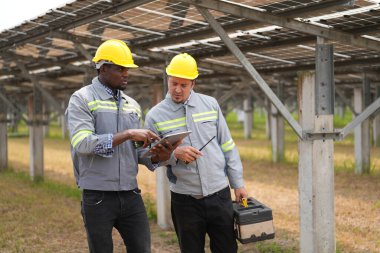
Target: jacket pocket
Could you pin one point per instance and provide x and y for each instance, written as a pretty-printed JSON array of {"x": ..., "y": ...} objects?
[
  {"x": 131, "y": 120},
  {"x": 208, "y": 127}
]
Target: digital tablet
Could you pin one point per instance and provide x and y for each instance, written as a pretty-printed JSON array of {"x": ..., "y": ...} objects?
[{"x": 171, "y": 138}]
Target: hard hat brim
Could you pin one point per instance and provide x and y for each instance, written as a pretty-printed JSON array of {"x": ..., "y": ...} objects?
[
  {"x": 169, "y": 73},
  {"x": 129, "y": 65}
]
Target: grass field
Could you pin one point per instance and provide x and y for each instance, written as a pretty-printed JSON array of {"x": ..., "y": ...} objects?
[{"x": 45, "y": 217}]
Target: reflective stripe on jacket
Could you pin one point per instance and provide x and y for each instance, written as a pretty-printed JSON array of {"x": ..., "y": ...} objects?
[
  {"x": 92, "y": 114},
  {"x": 220, "y": 164}
]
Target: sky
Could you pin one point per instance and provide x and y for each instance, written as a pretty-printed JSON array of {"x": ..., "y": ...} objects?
[{"x": 15, "y": 12}]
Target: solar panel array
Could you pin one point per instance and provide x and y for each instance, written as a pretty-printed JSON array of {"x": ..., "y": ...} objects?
[{"x": 57, "y": 46}]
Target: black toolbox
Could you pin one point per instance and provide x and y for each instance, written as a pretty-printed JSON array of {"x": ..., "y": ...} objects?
[{"x": 254, "y": 222}]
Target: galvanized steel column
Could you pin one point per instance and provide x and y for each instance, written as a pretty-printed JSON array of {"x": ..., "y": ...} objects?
[
  {"x": 3, "y": 134},
  {"x": 62, "y": 119},
  {"x": 164, "y": 218},
  {"x": 361, "y": 132},
  {"x": 277, "y": 128},
  {"x": 366, "y": 137},
  {"x": 323, "y": 151},
  {"x": 248, "y": 117},
  {"x": 268, "y": 118},
  {"x": 376, "y": 123},
  {"x": 36, "y": 142}
]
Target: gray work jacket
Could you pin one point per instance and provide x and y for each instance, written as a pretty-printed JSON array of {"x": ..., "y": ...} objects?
[
  {"x": 220, "y": 164},
  {"x": 92, "y": 114}
]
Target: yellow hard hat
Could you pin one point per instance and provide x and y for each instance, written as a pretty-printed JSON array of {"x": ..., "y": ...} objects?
[
  {"x": 115, "y": 51},
  {"x": 183, "y": 66}
]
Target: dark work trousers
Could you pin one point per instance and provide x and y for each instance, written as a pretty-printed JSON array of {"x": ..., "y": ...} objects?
[
  {"x": 124, "y": 210},
  {"x": 193, "y": 218}
]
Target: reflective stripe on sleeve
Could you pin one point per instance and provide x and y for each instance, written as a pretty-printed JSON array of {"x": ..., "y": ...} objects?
[
  {"x": 80, "y": 135},
  {"x": 228, "y": 145}
]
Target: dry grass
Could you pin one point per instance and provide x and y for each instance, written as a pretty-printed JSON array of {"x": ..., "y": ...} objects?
[
  {"x": 34, "y": 219},
  {"x": 39, "y": 218}
]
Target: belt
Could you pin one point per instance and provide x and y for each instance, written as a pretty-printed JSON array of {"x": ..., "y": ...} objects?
[{"x": 215, "y": 193}]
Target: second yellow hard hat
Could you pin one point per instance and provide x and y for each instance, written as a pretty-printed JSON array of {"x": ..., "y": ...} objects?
[{"x": 183, "y": 66}]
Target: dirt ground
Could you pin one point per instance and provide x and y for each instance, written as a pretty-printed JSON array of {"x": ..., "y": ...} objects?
[{"x": 35, "y": 219}]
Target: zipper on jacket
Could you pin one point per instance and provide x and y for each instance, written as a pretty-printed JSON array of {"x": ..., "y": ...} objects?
[{"x": 117, "y": 130}]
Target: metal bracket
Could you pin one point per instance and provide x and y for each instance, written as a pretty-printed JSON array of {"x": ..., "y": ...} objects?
[{"x": 312, "y": 136}]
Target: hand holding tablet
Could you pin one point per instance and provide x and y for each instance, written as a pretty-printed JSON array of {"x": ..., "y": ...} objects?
[{"x": 171, "y": 138}]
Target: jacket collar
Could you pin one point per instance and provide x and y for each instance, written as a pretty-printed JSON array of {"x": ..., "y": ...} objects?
[
  {"x": 176, "y": 106},
  {"x": 100, "y": 89}
]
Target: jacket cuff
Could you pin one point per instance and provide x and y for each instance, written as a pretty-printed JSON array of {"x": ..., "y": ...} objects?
[
  {"x": 171, "y": 161},
  {"x": 236, "y": 183}
]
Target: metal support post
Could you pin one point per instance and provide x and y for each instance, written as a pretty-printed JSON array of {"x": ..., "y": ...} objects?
[
  {"x": 248, "y": 117},
  {"x": 340, "y": 108},
  {"x": 277, "y": 129},
  {"x": 63, "y": 119},
  {"x": 347, "y": 102},
  {"x": 164, "y": 219},
  {"x": 366, "y": 136},
  {"x": 36, "y": 135},
  {"x": 358, "y": 106},
  {"x": 3, "y": 134},
  {"x": 46, "y": 116},
  {"x": 362, "y": 136},
  {"x": 316, "y": 168},
  {"x": 268, "y": 118},
  {"x": 376, "y": 123}
]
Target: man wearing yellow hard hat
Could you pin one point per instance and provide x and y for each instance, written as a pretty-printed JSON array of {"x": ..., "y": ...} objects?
[
  {"x": 105, "y": 126},
  {"x": 204, "y": 167}
]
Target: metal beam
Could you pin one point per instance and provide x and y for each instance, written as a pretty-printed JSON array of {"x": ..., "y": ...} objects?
[
  {"x": 251, "y": 70},
  {"x": 360, "y": 118},
  {"x": 162, "y": 56},
  {"x": 48, "y": 63},
  {"x": 46, "y": 94},
  {"x": 286, "y": 42},
  {"x": 289, "y": 23},
  {"x": 226, "y": 96},
  {"x": 83, "y": 51},
  {"x": 145, "y": 52},
  {"x": 14, "y": 107},
  {"x": 239, "y": 25},
  {"x": 253, "y": 92},
  {"x": 346, "y": 101},
  {"x": 315, "y": 6}
]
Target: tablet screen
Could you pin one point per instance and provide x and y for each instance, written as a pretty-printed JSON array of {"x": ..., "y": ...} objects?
[{"x": 172, "y": 138}]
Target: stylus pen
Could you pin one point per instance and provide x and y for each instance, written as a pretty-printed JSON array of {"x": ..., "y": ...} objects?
[
  {"x": 207, "y": 143},
  {"x": 186, "y": 162}
]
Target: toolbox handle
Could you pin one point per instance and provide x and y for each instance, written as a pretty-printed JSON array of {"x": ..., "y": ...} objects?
[{"x": 252, "y": 203}]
